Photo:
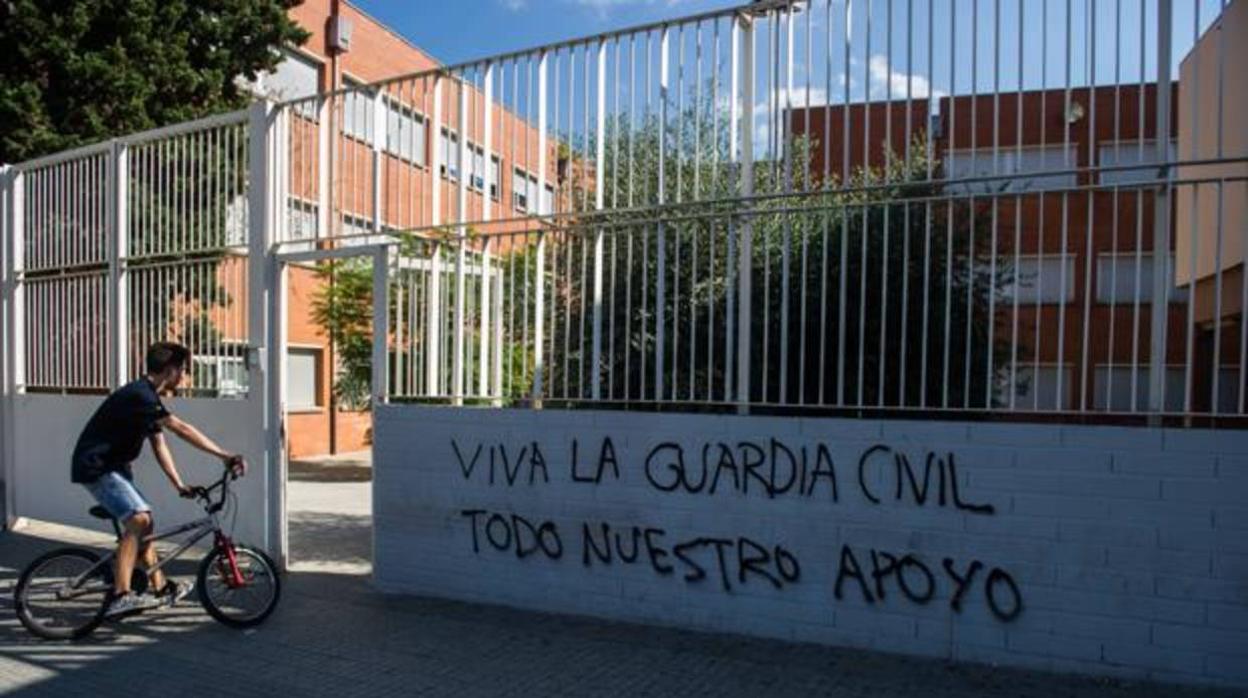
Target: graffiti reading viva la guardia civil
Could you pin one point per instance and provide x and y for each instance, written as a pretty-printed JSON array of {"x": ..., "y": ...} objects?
[{"x": 881, "y": 476}]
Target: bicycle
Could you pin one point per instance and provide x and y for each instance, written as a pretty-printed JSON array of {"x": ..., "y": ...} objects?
[{"x": 63, "y": 594}]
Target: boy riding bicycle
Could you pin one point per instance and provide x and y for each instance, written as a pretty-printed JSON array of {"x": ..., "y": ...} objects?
[{"x": 111, "y": 441}]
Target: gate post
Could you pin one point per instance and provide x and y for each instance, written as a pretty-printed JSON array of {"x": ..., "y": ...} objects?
[
  {"x": 745, "y": 229},
  {"x": 265, "y": 314},
  {"x": 118, "y": 231},
  {"x": 15, "y": 327},
  {"x": 6, "y": 394},
  {"x": 1161, "y": 223},
  {"x": 14, "y": 361}
]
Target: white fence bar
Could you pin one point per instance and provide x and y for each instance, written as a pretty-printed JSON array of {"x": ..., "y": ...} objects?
[
  {"x": 600, "y": 193},
  {"x": 539, "y": 286},
  {"x": 486, "y": 374},
  {"x": 461, "y": 232},
  {"x": 119, "y": 244}
]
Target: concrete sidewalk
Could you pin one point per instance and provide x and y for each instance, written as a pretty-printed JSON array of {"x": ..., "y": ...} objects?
[{"x": 334, "y": 636}]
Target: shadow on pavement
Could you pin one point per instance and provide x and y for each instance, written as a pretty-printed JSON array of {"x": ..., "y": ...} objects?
[{"x": 326, "y": 538}]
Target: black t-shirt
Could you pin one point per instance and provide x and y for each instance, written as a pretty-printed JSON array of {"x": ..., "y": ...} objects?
[{"x": 114, "y": 435}]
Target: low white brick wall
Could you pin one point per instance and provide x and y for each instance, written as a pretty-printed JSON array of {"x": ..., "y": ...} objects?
[{"x": 1104, "y": 550}]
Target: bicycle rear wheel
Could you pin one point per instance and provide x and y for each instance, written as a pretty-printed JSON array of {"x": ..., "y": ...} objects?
[
  {"x": 62, "y": 594},
  {"x": 239, "y": 605}
]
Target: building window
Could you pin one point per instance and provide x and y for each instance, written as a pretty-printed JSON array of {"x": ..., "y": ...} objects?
[
  {"x": 476, "y": 167},
  {"x": 519, "y": 191},
  {"x": 301, "y": 220},
  {"x": 219, "y": 376},
  {"x": 1030, "y": 161},
  {"x": 448, "y": 141},
  {"x": 1112, "y": 388},
  {"x": 302, "y": 370},
  {"x": 496, "y": 168},
  {"x": 1121, "y": 153},
  {"x": 1036, "y": 388},
  {"x": 295, "y": 77},
  {"x": 524, "y": 193},
  {"x": 475, "y": 170},
  {"x": 357, "y": 110},
  {"x": 236, "y": 227},
  {"x": 1116, "y": 280},
  {"x": 1038, "y": 279},
  {"x": 1229, "y": 381},
  {"x": 405, "y": 132}
]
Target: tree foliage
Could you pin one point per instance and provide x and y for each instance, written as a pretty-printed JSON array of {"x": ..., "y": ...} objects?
[
  {"x": 879, "y": 290},
  {"x": 80, "y": 71}
]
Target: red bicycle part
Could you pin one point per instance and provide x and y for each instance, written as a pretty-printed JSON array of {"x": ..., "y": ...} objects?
[{"x": 232, "y": 576}]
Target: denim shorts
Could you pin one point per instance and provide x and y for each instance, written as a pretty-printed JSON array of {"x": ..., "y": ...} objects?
[{"x": 118, "y": 495}]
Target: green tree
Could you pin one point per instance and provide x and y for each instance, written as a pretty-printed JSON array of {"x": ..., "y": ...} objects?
[
  {"x": 343, "y": 308},
  {"x": 80, "y": 71},
  {"x": 913, "y": 258}
]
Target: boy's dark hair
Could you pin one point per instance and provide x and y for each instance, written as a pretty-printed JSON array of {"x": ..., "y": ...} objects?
[{"x": 162, "y": 355}]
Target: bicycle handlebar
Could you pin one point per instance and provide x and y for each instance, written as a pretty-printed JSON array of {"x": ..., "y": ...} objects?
[{"x": 205, "y": 493}]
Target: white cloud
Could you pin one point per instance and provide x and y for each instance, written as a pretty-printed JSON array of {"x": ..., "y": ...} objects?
[
  {"x": 883, "y": 76},
  {"x": 514, "y": 5}
]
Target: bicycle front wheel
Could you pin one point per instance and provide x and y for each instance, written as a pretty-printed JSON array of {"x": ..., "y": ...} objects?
[
  {"x": 238, "y": 605},
  {"x": 62, "y": 594}
]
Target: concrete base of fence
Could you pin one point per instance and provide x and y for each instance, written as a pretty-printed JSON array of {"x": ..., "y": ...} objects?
[{"x": 1101, "y": 550}]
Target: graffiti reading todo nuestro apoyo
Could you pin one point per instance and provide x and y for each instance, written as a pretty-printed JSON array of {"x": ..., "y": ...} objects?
[{"x": 772, "y": 469}]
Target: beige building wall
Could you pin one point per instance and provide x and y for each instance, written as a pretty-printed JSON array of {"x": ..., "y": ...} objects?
[{"x": 1209, "y": 76}]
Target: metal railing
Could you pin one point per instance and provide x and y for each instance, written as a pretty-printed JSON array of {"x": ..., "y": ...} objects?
[
  {"x": 971, "y": 205},
  {"x": 128, "y": 242}
]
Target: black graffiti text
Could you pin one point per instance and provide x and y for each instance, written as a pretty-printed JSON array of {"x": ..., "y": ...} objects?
[
  {"x": 773, "y": 468},
  {"x": 514, "y": 533},
  {"x": 936, "y": 482},
  {"x": 505, "y": 465},
  {"x": 877, "y": 574},
  {"x": 732, "y": 562}
]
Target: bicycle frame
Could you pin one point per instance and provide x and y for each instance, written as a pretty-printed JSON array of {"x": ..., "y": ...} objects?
[{"x": 201, "y": 527}]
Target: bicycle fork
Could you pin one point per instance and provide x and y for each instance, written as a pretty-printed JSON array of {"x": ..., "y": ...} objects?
[{"x": 230, "y": 573}]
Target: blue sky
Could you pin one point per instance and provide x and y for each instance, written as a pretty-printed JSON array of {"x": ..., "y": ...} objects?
[
  {"x": 467, "y": 29},
  {"x": 1108, "y": 42},
  {"x": 459, "y": 30}
]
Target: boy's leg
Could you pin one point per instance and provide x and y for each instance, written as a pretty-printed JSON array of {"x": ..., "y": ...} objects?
[
  {"x": 137, "y": 526},
  {"x": 120, "y": 497},
  {"x": 155, "y": 577}
]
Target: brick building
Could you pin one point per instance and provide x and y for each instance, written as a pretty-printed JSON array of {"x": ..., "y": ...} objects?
[
  {"x": 509, "y": 182},
  {"x": 1085, "y": 229}
]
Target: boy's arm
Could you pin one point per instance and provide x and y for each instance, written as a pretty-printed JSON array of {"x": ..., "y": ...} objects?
[
  {"x": 188, "y": 433},
  {"x": 165, "y": 458}
]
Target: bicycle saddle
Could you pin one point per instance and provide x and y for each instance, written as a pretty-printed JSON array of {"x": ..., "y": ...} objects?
[{"x": 99, "y": 512}]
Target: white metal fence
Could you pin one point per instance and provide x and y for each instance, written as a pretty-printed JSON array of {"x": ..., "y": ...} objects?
[
  {"x": 125, "y": 243},
  {"x": 1030, "y": 206}
]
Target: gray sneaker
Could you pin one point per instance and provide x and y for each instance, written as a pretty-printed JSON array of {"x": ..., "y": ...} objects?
[
  {"x": 130, "y": 603},
  {"x": 174, "y": 592}
]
